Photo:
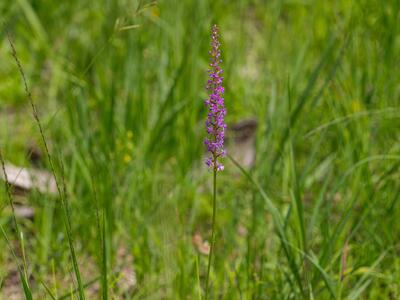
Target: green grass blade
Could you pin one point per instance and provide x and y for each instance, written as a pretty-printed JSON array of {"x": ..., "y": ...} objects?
[
  {"x": 64, "y": 204},
  {"x": 27, "y": 290},
  {"x": 76, "y": 290},
  {"x": 24, "y": 280},
  {"x": 48, "y": 291},
  {"x": 278, "y": 223},
  {"x": 307, "y": 93},
  {"x": 364, "y": 281},
  {"x": 104, "y": 268}
]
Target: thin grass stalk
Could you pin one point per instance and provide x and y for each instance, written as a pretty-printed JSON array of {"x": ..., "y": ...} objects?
[
  {"x": 101, "y": 228},
  {"x": 48, "y": 290},
  {"x": 279, "y": 225},
  {"x": 67, "y": 219},
  {"x": 198, "y": 277},
  {"x": 10, "y": 200},
  {"x": 23, "y": 273},
  {"x": 104, "y": 260}
]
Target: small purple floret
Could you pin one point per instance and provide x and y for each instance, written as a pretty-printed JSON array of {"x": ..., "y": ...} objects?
[{"x": 215, "y": 124}]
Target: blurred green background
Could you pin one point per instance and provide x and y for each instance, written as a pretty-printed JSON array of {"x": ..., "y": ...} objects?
[{"x": 119, "y": 87}]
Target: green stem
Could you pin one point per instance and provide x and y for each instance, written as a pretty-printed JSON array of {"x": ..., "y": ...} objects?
[{"x": 212, "y": 232}]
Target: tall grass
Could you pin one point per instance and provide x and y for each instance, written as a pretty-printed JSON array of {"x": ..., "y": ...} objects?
[
  {"x": 60, "y": 187},
  {"x": 119, "y": 91},
  {"x": 23, "y": 272}
]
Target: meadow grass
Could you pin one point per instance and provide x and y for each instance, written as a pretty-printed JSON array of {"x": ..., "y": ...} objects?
[{"x": 119, "y": 93}]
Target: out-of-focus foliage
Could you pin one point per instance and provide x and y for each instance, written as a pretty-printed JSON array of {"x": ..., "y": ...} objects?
[{"x": 119, "y": 87}]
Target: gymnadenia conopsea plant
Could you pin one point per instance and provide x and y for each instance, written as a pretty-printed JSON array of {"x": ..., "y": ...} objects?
[{"x": 216, "y": 127}]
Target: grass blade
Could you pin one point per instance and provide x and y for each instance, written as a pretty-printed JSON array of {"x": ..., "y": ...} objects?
[
  {"x": 307, "y": 92},
  {"x": 61, "y": 194},
  {"x": 278, "y": 223}
]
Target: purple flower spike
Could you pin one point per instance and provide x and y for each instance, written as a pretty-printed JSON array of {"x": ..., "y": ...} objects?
[{"x": 215, "y": 124}]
